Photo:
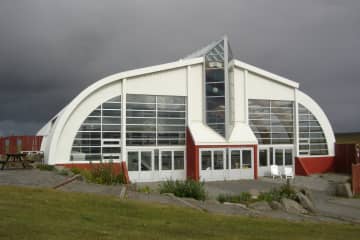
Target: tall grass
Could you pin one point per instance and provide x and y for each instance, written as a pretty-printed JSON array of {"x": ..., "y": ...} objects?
[{"x": 188, "y": 188}]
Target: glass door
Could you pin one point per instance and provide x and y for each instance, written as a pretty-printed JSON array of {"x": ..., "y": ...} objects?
[
  {"x": 241, "y": 164},
  {"x": 140, "y": 165},
  {"x": 264, "y": 162},
  {"x": 283, "y": 156},
  {"x": 212, "y": 164}
]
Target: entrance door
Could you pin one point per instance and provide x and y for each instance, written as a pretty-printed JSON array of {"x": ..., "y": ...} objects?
[
  {"x": 264, "y": 161},
  {"x": 283, "y": 157},
  {"x": 140, "y": 165},
  {"x": 241, "y": 164},
  {"x": 212, "y": 164}
]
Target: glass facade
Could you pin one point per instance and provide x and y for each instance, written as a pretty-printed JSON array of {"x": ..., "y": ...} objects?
[
  {"x": 272, "y": 121},
  {"x": 215, "y": 88},
  {"x": 99, "y": 135},
  {"x": 312, "y": 140},
  {"x": 155, "y": 120}
]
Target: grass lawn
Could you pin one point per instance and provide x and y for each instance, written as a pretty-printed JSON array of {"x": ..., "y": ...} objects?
[{"x": 28, "y": 213}]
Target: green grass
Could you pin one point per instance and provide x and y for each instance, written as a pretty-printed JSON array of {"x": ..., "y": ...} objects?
[
  {"x": 347, "y": 137},
  {"x": 28, "y": 213}
]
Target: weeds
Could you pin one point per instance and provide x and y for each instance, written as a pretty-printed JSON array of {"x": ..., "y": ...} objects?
[
  {"x": 275, "y": 194},
  {"x": 243, "y": 197},
  {"x": 188, "y": 188},
  {"x": 45, "y": 167},
  {"x": 101, "y": 174}
]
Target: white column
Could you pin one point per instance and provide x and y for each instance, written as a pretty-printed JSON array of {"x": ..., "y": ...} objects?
[
  {"x": 123, "y": 121},
  {"x": 296, "y": 123}
]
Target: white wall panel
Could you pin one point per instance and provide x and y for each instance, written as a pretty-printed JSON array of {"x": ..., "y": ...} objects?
[
  {"x": 170, "y": 82},
  {"x": 262, "y": 88},
  {"x": 195, "y": 94},
  {"x": 239, "y": 96}
]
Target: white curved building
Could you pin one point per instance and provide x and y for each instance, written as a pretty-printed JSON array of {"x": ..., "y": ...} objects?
[{"x": 207, "y": 116}]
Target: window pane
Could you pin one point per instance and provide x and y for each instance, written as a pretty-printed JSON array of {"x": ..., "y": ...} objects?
[
  {"x": 205, "y": 160},
  {"x": 218, "y": 160},
  {"x": 246, "y": 158},
  {"x": 263, "y": 157},
  {"x": 215, "y": 89},
  {"x": 311, "y": 132},
  {"x": 288, "y": 157},
  {"x": 279, "y": 157},
  {"x": 111, "y": 120},
  {"x": 133, "y": 161},
  {"x": 178, "y": 160},
  {"x": 156, "y": 159},
  {"x": 140, "y": 98},
  {"x": 170, "y": 99},
  {"x": 235, "y": 159},
  {"x": 146, "y": 161},
  {"x": 166, "y": 160}
]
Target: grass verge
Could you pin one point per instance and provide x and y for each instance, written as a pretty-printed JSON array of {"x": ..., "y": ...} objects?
[{"x": 28, "y": 213}]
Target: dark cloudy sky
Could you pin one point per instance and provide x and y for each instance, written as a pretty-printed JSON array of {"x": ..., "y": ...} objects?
[{"x": 51, "y": 50}]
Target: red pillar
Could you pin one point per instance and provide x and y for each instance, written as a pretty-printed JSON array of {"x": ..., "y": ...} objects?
[
  {"x": 255, "y": 161},
  {"x": 192, "y": 157}
]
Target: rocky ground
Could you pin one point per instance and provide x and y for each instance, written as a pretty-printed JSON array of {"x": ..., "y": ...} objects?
[{"x": 327, "y": 207}]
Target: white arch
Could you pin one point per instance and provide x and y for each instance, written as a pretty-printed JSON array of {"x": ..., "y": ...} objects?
[
  {"x": 57, "y": 147},
  {"x": 320, "y": 115}
]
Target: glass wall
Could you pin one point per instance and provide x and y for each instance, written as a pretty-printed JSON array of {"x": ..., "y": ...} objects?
[
  {"x": 99, "y": 135},
  {"x": 155, "y": 120},
  {"x": 215, "y": 88},
  {"x": 311, "y": 136},
  {"x": 272, "y": 121}
]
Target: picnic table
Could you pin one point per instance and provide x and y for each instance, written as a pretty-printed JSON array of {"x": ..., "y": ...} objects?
[{"x": 14, "y": 158}]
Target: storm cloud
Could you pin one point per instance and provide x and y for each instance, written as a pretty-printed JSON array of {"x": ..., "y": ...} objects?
[{"x": 52, "y": 50}]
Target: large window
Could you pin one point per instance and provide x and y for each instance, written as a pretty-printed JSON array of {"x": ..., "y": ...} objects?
[
  {"x": 155, "y": 120},
  {"x": 164, "y": 160},
  {"x": 215, "y": 88},
  {"x": 272, "y": 121},
  {"x": 98, "y": 137},
  {"x": 311, "y": 136}
]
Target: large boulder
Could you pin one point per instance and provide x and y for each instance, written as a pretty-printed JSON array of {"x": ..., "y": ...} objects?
[
  {"x": 276, "y": 205},
  {"x": 305, "y": 202},
  {"x": 292, "y": 206},
  {"x": 254, "y": 193},
  {"x": 260, "y": 206},
  {"x": 344, "y": 190}
]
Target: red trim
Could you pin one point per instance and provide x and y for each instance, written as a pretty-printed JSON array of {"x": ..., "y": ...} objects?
[
  {"x": 255, "y": 162},
  {"x": 310, "y": 165},
  {"x": 355, "y": 175},
  {"x": 192, "y": 158}
]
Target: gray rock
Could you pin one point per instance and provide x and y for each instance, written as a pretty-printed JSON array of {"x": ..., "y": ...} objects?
[
  {"x": 260, "y": 206},
  {"x": 276, "y": 205},
  {"x": 254, "y": 193},
  {"x": 212, "y": 201},
  {"x": 344, "y": 190},
  {"x": 292, "y": 206},
  {"x": 305, "y": 202},
  {"x": 307, "y": 193},
  {"x": 236, "y": 204}
]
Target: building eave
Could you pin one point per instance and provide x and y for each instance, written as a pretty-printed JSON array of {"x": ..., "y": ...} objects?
[{"x": 265, "y": 73}]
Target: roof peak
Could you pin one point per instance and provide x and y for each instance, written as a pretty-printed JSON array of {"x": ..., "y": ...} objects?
[{"x": 205, "y": 50}]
